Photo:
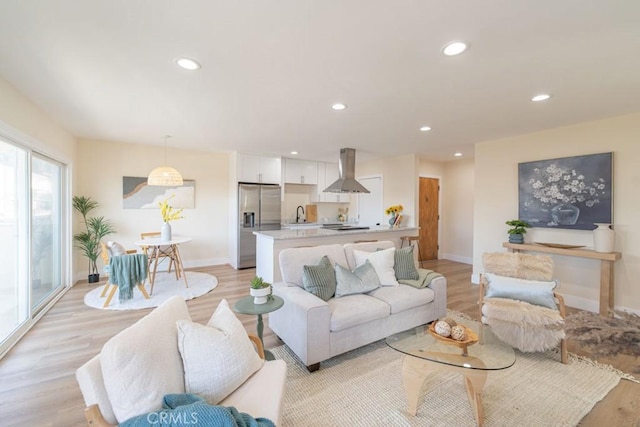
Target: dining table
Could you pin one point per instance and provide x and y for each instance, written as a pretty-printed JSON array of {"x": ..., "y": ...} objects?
[{"x": 156, "y": 248}]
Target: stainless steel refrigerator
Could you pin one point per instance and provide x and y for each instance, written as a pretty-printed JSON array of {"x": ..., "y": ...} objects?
[{"x": 258, "y": 210}]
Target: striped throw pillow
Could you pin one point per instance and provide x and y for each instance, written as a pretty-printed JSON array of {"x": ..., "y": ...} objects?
[
  {"x": 320, "y": 280},
  {"x": 404, "y": 266}
]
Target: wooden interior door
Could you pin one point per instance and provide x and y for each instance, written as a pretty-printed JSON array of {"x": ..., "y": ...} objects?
[{"x": 429, "y": 217}]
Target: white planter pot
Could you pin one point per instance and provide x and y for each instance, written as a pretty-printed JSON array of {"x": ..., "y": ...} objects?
[
  {"x": 603, "y": 238},
  {"x": 260, "y": 296}
]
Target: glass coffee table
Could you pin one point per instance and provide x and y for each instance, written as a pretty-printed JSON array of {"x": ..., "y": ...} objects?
[{"x": 425, "y": 354}]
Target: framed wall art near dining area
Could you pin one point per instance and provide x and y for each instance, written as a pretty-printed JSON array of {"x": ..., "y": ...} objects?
[
  {"x": 569, "y": 192},
  {"x": 136, "y": 194}
]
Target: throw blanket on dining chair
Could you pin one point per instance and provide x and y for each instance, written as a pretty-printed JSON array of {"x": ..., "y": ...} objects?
[
  {"x": 181, "y": 410},
  {"x": 127, "y": 271}
]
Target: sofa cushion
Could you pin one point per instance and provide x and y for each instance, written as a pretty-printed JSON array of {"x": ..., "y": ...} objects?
[
  {"x": 218, "y": 357},
  {"x": 382, "y": 261},
  {"x": 404, "y": 264},
  {"x": 403, "y": 297},
  {"x": 353, "y": 310},
  {"x": 364, "y": 247},
  {"x": 359, "y": 281},
  {"x": 320, "y": 280},
  {"x": 142, "y": 363},
  {"x": 292, "y": 260}
]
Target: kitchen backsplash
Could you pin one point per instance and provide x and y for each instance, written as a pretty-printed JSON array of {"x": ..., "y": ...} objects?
[{"x": 301, "y": 195}]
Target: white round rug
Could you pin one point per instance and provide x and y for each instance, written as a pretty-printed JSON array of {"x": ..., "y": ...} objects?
[{"x": 165, "y": 287}]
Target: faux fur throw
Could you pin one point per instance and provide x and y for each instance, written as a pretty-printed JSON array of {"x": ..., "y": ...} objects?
[
  {"x": 523, "y": 266},
  {"x": 524, "y": 326}
]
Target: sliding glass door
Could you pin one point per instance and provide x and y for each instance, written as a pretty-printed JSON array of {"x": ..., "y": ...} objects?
[{"x": 31, "y": 230}]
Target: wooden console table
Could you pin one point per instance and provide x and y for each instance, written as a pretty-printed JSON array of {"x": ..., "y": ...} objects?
[{"x": 606, "y": 267}]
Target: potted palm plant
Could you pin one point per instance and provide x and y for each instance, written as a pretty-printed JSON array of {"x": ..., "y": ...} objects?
[
  {"x": 516, "y": 233},
  {"x": 88, "y": 241},
  {"x": 260, "y": 290}
]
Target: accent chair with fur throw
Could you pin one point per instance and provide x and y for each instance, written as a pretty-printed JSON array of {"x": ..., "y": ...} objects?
[{"x": 518, "y": 302}]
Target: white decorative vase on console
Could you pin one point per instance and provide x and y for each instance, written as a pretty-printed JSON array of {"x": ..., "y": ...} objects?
[
  {"x": 165, "y": 232},
  {"x": 603, "y": 238}
]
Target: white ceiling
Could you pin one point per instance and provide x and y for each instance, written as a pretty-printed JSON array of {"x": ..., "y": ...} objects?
[{"x": 271, "y": 69}]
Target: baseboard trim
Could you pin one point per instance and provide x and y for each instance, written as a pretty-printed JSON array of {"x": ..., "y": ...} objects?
[{"x": 457, "y": 258}]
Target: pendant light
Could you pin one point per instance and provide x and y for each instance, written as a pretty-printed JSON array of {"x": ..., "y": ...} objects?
[{"x": 165, "y": 175}]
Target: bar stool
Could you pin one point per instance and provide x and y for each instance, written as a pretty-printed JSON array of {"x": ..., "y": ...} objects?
[{"x": 409, "y": 240}]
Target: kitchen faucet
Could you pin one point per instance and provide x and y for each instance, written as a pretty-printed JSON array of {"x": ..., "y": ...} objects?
[{"x": 298, "y": 217}]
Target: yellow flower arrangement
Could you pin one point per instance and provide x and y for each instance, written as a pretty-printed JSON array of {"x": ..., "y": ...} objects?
[
  {"x": 168, "y": 214},
  {"x": 393, "y": 210}
]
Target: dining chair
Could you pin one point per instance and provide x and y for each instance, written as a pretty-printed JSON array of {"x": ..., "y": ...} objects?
[
  {"x": 160, "y": 252},
  {"x": 108, "y": 269}
]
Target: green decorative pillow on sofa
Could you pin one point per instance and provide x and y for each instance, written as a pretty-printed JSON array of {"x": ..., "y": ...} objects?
[
  {"x": 320, "y": 280},
  {"x": 404, "y": 265},
  {"x": 359, "y": 281}
]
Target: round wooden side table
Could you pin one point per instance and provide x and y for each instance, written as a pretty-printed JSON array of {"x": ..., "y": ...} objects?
[{"x": 245, "y": 305}]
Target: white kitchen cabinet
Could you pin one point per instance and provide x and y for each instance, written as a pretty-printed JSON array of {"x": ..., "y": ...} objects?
[
  {"x": 259, "y": 168},
  {"x": 327, "y": 175},
  {"x": 300, "y": 172}
]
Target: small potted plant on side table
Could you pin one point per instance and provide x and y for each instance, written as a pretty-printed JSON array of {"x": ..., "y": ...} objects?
[
  {"x": 260, "y": 290},
  {"x": 516, "y": 234}
]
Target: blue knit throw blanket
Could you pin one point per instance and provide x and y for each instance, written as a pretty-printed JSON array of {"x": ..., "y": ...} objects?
[
  {"x": 126, "y": 272},
  {"x": 182, "y": 410}
]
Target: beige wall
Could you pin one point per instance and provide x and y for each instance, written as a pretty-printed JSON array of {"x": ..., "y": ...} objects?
[
  {"x": 496, "y": 200},
  {"x": 457, "y": 198},
  {"x": 400, "y": 183},
  {"x": 101, "y": 166}
]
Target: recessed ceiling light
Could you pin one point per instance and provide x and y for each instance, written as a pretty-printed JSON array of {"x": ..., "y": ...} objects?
[
  {"x": 338, "y": 106},
  {"x": 294, "y": 152},
  {"x": 425, "y": 129},
  {"x": 458, "y": 154},
  {"x": 541, "y": 97},
  {"x": 454, "y": 48},
  {"x": 188, "y": 63}
]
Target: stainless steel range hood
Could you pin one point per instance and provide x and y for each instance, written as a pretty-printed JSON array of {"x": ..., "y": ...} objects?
[{"x": 346, "y": 183}]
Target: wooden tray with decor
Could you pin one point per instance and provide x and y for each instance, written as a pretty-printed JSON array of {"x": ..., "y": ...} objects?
[{"x": 472, "y": 338}]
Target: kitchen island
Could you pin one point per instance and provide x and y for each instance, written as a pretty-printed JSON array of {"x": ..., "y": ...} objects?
[{"x": 269, "y": 244}]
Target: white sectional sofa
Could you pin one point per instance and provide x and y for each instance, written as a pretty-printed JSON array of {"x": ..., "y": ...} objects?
[{"x": 316, "y": 330}]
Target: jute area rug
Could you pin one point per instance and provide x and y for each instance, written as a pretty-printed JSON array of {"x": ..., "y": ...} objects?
[
  {"x": 364, "y": 388},
  {"x": 164, "y": 288}
]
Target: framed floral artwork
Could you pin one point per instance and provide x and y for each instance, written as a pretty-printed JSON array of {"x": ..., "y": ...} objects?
[{"x": 570, "y": 192}]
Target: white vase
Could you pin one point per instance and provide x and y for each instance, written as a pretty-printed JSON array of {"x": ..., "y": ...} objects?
[
  {"x": 165, "y": 232},
  {"x": 260, "y": 296},
  {"x": 603, "y": 238}
]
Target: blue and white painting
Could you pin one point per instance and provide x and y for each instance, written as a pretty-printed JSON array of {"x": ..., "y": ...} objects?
[
  {"x": 570, "y": 192},
  {"x": 136, "y": 194}
]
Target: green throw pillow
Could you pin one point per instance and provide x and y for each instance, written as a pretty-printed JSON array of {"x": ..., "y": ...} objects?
[
  {"x": 320, "y": 280},
  {"x": 363, "y": 279},
  {"x": 404, "y": 265}
]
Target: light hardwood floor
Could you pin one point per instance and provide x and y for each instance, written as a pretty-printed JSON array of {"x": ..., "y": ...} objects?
[{"x": 38, "y": 387}]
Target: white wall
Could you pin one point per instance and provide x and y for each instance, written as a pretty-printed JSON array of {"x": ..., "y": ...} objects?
[
  {"x": 101, "y": 166},
  {"x": 400, "y": 183},
  {"x": 496, "y": 200},
  {"x": 456, "y": 217}
]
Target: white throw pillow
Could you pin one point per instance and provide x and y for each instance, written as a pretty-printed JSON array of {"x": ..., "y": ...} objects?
[
  {"x": 115, "y": 249},
  {"x": 218, "y": 357},
  {"x": 142, "y": 363},
  {"x": 382, "y": 262}
]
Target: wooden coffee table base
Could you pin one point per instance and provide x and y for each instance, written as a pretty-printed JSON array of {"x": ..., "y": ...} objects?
[{"x": 416, "y": 370}]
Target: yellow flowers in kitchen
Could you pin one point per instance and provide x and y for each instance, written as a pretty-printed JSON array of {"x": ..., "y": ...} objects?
[
  {"x": 167, "y": 212},
  {"x": 394, "y": 210}
]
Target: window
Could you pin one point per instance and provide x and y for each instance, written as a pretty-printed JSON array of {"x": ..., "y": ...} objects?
[{"x": 32, "y": 252}]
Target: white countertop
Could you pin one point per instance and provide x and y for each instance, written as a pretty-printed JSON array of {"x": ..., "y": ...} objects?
[{"x": 303, "y": 233}]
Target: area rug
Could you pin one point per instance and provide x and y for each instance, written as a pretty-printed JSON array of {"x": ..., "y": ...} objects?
[
  {"x": 165, "y": 287},
  {"x": 606, "y": 338},
  {"x": 364, "y": 388}
]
